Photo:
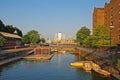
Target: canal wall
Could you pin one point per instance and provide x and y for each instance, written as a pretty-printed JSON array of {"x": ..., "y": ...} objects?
[
  {"x": 11, "y": 55},
  {"x": 101, "y": 57}
]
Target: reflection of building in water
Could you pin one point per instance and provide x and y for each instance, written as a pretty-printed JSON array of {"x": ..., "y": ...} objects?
[{"x": 59, "y": 59}]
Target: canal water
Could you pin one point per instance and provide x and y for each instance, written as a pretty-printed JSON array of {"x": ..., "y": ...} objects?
[{"x": 58, "y": 68}]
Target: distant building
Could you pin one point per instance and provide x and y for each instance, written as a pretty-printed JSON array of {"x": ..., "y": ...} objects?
[
  {"x": 59, "y": 36},
  {"x": 109, "y": 16},
  {"x": 48, "y": 41}
]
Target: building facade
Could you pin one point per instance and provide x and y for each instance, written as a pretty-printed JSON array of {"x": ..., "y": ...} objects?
[
  {"x": 98, "y": 17},
  {"x": 109, "y": 16},
  {"x": 10, "y": 40}
]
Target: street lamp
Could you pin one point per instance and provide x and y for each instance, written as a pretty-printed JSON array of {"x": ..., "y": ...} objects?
[{"x": 111, "y": 28}]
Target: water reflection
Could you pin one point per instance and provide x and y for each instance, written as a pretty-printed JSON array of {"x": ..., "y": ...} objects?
[
  {"x": 58, "y": 68},
  {"x": 84, "y": 74},
  {"x": 96, "y": 76},
  {"x": 58, "y": 57}
]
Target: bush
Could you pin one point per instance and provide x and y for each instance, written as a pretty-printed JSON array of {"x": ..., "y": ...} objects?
[{"x": 118, "y": 65}]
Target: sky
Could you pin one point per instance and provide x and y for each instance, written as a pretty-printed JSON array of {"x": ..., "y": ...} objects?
[{"x": 49, "y": 17}]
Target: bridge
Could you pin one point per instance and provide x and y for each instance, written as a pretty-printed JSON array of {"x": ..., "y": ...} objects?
[{"x": 64, "y": 48}]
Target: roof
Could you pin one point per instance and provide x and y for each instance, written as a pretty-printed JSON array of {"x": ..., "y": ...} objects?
[{"x": 10, "y": 35}]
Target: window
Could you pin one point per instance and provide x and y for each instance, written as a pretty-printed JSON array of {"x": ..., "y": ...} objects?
[
  {"x": 119, "y": 36},
  {"x": 111, "y": 23},
  {"x": 105, "y": 13},
  {"x": 119, "y": 29},
  {"x": 111, "y": 16},
  {"x": 119, "y": 4},
  {"x": 111, "y": 9}
]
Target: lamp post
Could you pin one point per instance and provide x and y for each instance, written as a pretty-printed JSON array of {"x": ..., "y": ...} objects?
[{"x": 111, "y": 28}]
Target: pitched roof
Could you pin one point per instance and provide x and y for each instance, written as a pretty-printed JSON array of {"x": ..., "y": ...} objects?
[{"x": 10, "y": 35}]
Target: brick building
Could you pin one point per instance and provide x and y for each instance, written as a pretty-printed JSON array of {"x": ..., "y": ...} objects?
[
  {"x": 10, "y": 40},
  {"x": 109, "y": 16},
  {"x": 98, "y": 17}
]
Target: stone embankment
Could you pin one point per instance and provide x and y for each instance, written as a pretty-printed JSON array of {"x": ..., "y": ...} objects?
[
  {"x": 101, "y": 57},
  {"x": 11, "y": 55}
]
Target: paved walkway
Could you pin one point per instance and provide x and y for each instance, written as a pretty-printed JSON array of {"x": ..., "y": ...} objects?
[
  {"x": 14, "y": 50},
  {"x": 10, "y": 51}
]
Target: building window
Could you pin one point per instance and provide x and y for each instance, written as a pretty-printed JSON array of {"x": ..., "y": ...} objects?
[
  {"x": 119, "y": 36},
  {"x": 119, "y": 29},
  {"x": 111, "y": 9},
  {"x": 111, "y": 16},
  {"x": 111, "y": 23},
  {"x": 119, "y": 4},
  {"x": 105, "y": 13}
]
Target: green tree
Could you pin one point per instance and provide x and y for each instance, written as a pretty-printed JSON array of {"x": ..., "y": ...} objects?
[
  {"x": 88, "y": 41},
  {"x": 2, "y": 26},
  {"x": 19, "y": 32},
  {"x": 31, "y": 37},
  {"x": 11, "y": 29},
  {"x": 82, "y": 34},
  {"x": 101, "y": 36},
  {"x": 25, "y": 39},
  {"x": 118, "y": 65},
  {"x": 42, "y": 40}
]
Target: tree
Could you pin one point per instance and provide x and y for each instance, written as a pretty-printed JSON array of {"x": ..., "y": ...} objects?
[
  {"x": 101, "y": 36},
  {"x": 88, "y": 41},
  {"x": 2, "y": 26},
  {"x": 82, "y": 34},
  {"x": 118, "y": 65},
  {"x": 10, "y": 29},
  {"x": 19, "y": 32},
  {"x": 42, "y": 40},
  {"x": 31, "y": 37},
  {"x": 25, "y": 39}
]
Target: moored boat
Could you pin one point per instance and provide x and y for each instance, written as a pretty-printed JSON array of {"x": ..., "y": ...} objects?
[
  {"x": 89, "y": 65},
  {"x": 77, "y": 64}
]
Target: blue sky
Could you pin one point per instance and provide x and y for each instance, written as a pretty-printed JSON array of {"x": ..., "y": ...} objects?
[{"x": 49, "y": 16}]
